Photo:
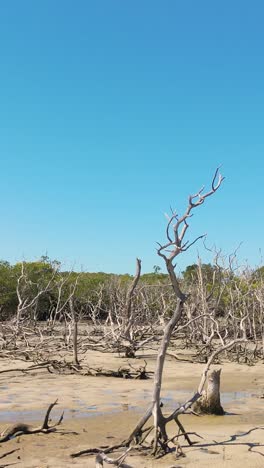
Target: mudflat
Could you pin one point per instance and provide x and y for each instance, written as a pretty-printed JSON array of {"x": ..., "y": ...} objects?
[{"x": 100, "y": 411}]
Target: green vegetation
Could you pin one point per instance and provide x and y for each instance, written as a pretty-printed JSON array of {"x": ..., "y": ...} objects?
[{"x": 47, "y": 275}]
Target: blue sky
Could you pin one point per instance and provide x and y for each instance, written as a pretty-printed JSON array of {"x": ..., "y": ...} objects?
[{"x": 112, "y": 111}]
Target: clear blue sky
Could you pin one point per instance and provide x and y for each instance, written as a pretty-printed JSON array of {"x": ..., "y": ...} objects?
[{"x": 112, "y": 111}]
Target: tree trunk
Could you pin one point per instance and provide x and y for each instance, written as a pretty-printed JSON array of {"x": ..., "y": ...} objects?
[
  {"x": 128, "y": 316},
  {"x": 75, "y": 334},
  {"x": 210, "y": 403}
]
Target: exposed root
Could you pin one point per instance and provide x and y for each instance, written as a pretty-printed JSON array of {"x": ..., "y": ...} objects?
[
  {"x": 158, "y": 446},
  {"x": 102, "y": 457}
]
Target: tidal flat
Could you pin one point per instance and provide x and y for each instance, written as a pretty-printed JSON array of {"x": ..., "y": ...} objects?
[{"x": 101, "y": 411}]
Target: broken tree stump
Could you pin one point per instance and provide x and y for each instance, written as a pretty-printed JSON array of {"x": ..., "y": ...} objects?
[{"x": 210, "y": 402}]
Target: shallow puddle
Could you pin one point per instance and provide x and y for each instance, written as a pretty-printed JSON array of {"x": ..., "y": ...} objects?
[
  {"x": 174, "y": 398},
  {"x": 227, "y": 397},
  {"x": 170, "y": 400}
]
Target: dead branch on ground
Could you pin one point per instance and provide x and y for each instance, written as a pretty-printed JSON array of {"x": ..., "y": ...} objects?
[{"x": 19, "y": 429}]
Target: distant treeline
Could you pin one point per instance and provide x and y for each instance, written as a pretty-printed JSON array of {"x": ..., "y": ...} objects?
[
  {"x": 45, "y": 279},
  {"x": 34, "y": 276}
]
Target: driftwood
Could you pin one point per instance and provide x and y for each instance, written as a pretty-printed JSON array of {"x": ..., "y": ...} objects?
[{"x": 19, "y": 429}]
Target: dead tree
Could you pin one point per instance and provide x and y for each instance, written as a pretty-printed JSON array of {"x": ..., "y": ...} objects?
[
  {"x": 74, "y": 332},
  {"x": 123, "y": 329},
  {"x": 64, "y": 290},
  {"x": 128, "y": 313},
  {"x": 176, "y": 244},
  {"x": 67, "y": 312},
  {"x": 25, "y": 302}
]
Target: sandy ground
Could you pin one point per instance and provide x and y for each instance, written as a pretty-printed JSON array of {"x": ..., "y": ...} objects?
[{"x": 103, "y": 410}]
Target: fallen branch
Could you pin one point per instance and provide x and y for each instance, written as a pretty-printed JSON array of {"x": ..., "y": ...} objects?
[
  {"x": 19, "y": 429},
  {"x": 63, "y": 367},
  {"x": 8, "y": 453},
  {"x": 55, "y": 366}
]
